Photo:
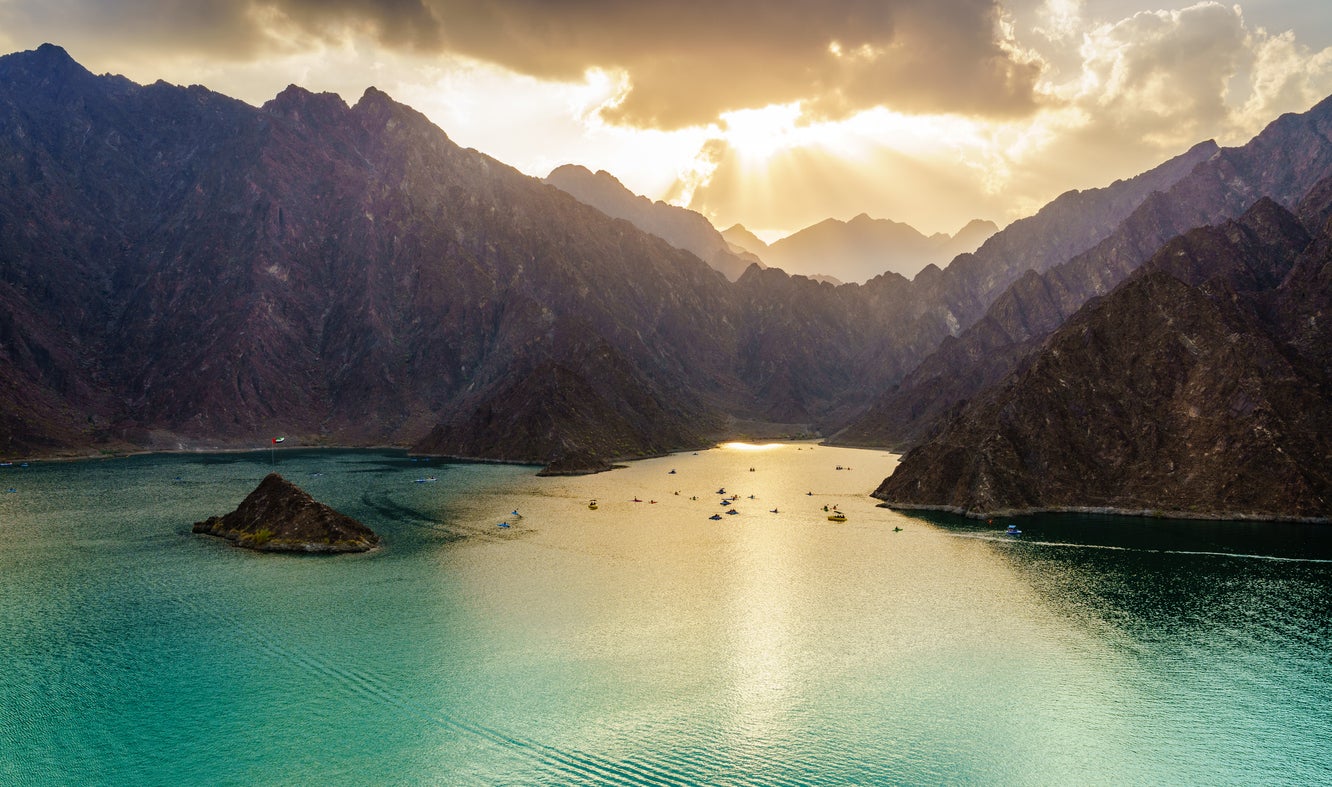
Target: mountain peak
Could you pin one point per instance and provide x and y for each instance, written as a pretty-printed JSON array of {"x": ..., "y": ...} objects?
[
  {"x": 46, "y": 60},
  {"x": 53, "y": 53}
]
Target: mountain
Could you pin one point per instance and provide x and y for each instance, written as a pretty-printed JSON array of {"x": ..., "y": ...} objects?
[
  {"x": 864, "y": 247},
  {"x": 743, "y": 239},
  {"x": 181, "y": 269},
  {"x": 1284, "y": 161},
  {"x": 1198, "y": 387},
  {"x": 680, "y": 227}
]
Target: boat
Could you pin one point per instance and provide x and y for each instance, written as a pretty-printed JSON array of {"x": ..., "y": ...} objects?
[
  {"x": 592, "y": 504},
  {"x": 837, "y": 516},
  {"x": 1012, "y": 531}
]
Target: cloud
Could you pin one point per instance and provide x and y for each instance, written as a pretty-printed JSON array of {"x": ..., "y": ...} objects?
[
  {"x": 1130, "y": 93},
  {"x": 1163, "y": 75},
  {"x": 686, "y": 61}
]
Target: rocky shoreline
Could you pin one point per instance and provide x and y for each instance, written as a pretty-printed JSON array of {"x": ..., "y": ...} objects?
[{"x": 1148, "y": 513}]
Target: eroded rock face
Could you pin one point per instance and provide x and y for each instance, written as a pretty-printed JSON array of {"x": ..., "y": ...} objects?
[
  {"x": 278, "y": 516},
  {"x": 180, "y": 268},
  {"x": 1284, "y": 162},
  {"x": 1197, "y": 388}
]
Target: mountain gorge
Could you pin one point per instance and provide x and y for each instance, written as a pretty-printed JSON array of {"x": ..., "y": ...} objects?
[{"x": 180, "y": 269}]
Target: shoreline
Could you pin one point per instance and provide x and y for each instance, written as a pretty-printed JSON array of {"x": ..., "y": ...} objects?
[
  {"x": 1140, "y": 513},
  {"x": 614, "y": 463}
]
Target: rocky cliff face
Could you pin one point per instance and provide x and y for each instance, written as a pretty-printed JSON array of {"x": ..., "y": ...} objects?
[
  {"x": 1287, "y": 159},
  {"x": 1199, "y": 387},
  {"x": 278, "y": 516},
  {"x": 180, "y": 268}
]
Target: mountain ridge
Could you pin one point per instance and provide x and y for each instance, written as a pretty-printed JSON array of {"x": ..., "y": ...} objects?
[
  {"x": 1187, "y": 391},
  {"x": 1038, "y": 302}
]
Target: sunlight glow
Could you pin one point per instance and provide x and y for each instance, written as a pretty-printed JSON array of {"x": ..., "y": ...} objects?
[
  {"x": 751, "y": 446},
  {"x": 757, "y": 134}
]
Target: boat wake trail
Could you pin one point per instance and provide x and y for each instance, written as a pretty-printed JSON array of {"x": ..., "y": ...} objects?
[{"x": 1005, "y": 539}]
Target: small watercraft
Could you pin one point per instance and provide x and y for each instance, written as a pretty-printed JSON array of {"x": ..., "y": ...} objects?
[
  {"x": 501, "y": 524},
  {"x": 897, "y": 530},
  {"x": 837, "y": 516},
  {"x": 515, "y": 513},
  {"x": 638, "y": 500},
  {"x": 773, "y": 511},
  {"x": 1012, "y": 531},
  {"x": 721, "y": 491},
  {"x": 715, "y": 516},
  {"x": 671, "y": 473},
  {"x": 732, "y": 511}
]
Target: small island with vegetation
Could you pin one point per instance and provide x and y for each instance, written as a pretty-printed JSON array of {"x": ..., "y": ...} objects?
[{"x": 279, "y": 516}]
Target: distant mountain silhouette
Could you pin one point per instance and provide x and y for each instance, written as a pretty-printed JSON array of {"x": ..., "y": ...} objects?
[
  {"x": 1201, "y": 386},
  {"x": 680, "y": 227},
  {"x": 739, "y": 237},
  {"x": 864, "y": 247}
]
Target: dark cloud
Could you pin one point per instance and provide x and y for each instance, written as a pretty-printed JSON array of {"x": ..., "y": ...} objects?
[{"x": 687, "y": 60}]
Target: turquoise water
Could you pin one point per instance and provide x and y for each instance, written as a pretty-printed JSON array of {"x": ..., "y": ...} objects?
[{"x": 643, "y": 643}]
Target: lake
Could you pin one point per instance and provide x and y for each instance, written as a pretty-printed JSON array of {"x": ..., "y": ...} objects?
[{"x": 643, "y": 643}]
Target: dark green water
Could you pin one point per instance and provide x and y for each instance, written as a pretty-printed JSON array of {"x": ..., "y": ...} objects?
[{"x": 643, "y": 643}]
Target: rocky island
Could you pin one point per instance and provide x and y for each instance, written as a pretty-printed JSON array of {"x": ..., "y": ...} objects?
[{"x": 279, "y": 516}]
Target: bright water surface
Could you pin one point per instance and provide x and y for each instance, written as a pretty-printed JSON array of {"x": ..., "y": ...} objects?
[{"x": 642, "y": 643}]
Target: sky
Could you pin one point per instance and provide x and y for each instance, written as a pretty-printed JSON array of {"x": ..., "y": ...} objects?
[{"x": 772, "y": 113}]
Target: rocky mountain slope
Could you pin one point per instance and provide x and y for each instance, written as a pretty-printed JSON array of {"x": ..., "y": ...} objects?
[
  {"x": 1198, "y": 387},
  {"x": 1284, "y": 161},
  {"x": 865, "y": 247},
  {"x": 178, "y": 268},
  {"x": 682, "y": 228}
]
